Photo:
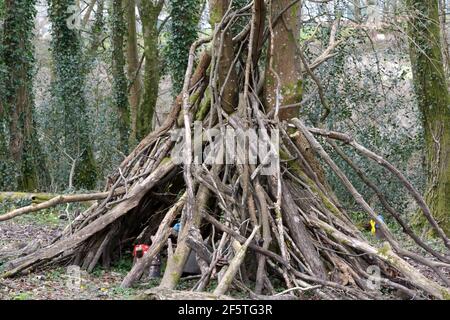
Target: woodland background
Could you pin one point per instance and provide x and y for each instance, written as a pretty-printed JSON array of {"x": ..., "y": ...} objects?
[{"x": 75, "y": 101}]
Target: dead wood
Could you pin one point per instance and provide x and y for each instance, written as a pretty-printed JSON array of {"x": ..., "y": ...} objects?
[
  {"x": 56, "y": 200},
  {"x": 168, "y": 294},
  {"x": 286, "y": 225}
]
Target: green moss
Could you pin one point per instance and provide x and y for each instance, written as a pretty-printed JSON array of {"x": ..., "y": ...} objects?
[
  {"x": 205, "y": 106},
  {"x": 23, "y": 296},
  {"x": 292, "y": 164},
  {"x": 445, "y": 295},
  {"x": 215, "y": 14},
  {"x": 294, "y": 11},
  {"x": 293, "y": 91},
  {"x": 34, "y": 197},
  {"x": 165, "y": 160},
  {"x": 384, "y": 250}
]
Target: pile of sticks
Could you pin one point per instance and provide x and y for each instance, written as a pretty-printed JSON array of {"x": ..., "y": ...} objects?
[{"x": 287, "y": 226}]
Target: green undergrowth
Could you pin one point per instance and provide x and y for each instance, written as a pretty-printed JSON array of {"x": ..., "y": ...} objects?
[
  {"x": 49, "y": 216},
  {"x": 361, "y": 220}
]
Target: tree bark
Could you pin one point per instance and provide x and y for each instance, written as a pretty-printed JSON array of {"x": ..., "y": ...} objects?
[
  {"x": 134, "y": 75},
  {"x": 119, "y": 83},
  {"x": 283, "y": 81},
  {"x": 444, "y": 36},
  {"x": 433, "y": 98},
  {"x": 70, "y": 103},
  {"x": 18, "y": 51},
  {"x": 149, "y": 12},
  {"x": 227, "y": 77}
]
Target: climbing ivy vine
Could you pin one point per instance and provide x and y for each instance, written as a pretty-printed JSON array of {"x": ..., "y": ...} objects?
[
  {"x": 120, "y": 96},
  {"x": 185, "y": 17},
  {"x": 69, "y": 103},
  {"x": 2, "y": 8},
  {"x": 6, "y": 178},
  {"x": 20, "y": 164}
]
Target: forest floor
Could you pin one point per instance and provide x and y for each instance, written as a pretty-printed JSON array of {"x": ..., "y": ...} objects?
[{"x": 52, "y": 283}]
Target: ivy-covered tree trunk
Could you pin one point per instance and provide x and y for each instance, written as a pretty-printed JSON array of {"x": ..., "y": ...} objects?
[
  {"x": 444, "y": 36},
  {"x": 120, "y": 96},
  {"x": 133, "y": 72},
  {"x": 97, "y": 30},
  {"x": 68, "y": 93},
  {"x": 434, "y": 103},
  {"x": 185, "y": 16},
  {"x": 4, "y": 155},
  {"x": 149, "y": 11},
  {"x": 18, "y": 100}
]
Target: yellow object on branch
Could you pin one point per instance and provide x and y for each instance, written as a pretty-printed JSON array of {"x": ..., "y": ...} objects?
[{"x": 373, "y": 226}]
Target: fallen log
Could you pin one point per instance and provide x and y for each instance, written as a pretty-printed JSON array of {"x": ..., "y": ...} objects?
[
  {"x": 56, "y": 200},
  {"x": 168, "y": 294},
  {"x": 33, "y": 197}
]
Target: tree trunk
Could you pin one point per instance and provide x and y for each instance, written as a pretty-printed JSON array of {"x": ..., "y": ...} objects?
[
  {"x": 433, "y": 98},
  {"x": 185, "y": 16},
  {"x": 97, "y": 30},
  {"x": 120, "y": 99},
  {"x": 357, "y": 10},
  {"x": 224, "y": 44},
  {"x": 134, "y": 75},
  {"x": 283, "y": 75},
  {"x": 444, "y": 36},
  {"x": 283, "y": 79},
  {"x": 68, "y": 90},
  {"x": 18, "y": 52},
  {"x": 149, "y": 12}
]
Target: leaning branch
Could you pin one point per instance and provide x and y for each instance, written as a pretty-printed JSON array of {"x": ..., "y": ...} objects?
[
  {"x": 229, "y": 275},
  {"x": 58, "y": 200},
  {"x": 386, "y": 164}
]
